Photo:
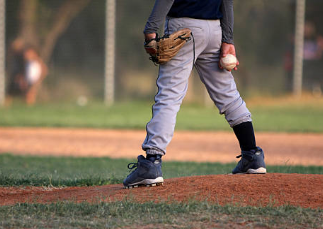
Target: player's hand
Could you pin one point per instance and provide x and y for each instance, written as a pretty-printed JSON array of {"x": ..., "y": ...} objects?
[
  {"x": 226, "y": 49},
  {"x": 149, "y": 37}
]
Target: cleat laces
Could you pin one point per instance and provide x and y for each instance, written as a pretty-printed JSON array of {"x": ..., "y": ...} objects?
[{"x": 132, "y": 166}]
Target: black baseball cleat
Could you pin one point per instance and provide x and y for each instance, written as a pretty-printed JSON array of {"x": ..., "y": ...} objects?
[
  {"x": 147, "y": 173},
  {"x": 252, "y": 162}
]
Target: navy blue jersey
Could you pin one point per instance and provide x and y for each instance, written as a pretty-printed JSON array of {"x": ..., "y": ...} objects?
[{"x": 199, "y": 9}]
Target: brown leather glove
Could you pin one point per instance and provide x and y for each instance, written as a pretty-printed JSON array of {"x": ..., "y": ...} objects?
[{"x": 163, "y": 49}]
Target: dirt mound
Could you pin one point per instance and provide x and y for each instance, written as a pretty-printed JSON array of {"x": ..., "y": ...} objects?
[{"x": 274, "y": 189}]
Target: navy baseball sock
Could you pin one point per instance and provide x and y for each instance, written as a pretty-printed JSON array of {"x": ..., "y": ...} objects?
[{"x": 245, "y": 135}]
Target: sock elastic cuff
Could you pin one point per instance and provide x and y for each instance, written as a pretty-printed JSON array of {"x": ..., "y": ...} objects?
[{"x": 154, "y": 152}]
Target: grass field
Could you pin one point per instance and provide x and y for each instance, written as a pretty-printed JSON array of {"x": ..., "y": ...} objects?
[
  {"x": 69, "y": 171},
  {"x": 282, "y": 115},
  {"x": 151, "y": 215},
  {"x": 287, "y": 115}
]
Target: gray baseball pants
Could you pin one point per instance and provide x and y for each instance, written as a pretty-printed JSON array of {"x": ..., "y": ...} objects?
[{"x": 173, "y": 77}]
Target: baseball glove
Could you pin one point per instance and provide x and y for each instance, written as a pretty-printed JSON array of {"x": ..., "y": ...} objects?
[{"x": 163, "y": 49}]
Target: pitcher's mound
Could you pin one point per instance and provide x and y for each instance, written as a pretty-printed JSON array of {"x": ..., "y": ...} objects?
[{"x": 269, "y": 189}]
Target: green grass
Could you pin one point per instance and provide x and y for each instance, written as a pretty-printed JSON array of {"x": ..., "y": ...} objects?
[
  {"x": 286, "y": 117},
  {"x": 156, "y": 215},
  {"x": 71, "y": 171}
]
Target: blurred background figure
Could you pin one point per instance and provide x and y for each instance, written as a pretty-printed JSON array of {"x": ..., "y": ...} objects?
[
  {"x": 35, "y": 72},
  {"x": 16, "y": 69},
  {"x": 313, "y": 61},
  {"x": 26, "y": 72}
]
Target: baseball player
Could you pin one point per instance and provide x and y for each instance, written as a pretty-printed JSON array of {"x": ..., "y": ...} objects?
[{"x": 211, "y": 23}]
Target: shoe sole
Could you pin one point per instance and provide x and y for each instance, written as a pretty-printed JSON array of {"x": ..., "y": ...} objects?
[
  {"x": 260, "y": 170},
  {"x": 159, "y": 181}
]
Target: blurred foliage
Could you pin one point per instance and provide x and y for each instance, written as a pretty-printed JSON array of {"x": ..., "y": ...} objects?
[{"x": 263, "y": 31}]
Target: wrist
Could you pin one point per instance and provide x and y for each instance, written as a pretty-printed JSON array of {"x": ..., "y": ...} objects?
[
  {"x": 150, "y": 36},
  {"x": 228, "y": 41}
]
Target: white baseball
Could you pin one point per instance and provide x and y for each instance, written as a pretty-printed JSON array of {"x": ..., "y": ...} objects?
[{"x": 228, "y": 62}]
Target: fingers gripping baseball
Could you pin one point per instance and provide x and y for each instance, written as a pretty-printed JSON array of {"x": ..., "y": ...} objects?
[{"x": 227, "y": 49}]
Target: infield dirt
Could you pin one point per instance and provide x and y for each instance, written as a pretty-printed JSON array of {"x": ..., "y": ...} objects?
[{"x": 279, "y": 148}]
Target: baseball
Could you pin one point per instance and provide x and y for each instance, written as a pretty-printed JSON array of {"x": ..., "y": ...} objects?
[{"x": 228, "y": 62}]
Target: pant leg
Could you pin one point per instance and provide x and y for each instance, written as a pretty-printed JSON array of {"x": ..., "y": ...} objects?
[
  {"x": 220, "y": 83},
  {"x": 172, "y": 85}
]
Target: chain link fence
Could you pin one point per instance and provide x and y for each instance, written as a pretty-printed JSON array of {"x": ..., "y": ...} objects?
[{"x": 264, "y": 39}]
